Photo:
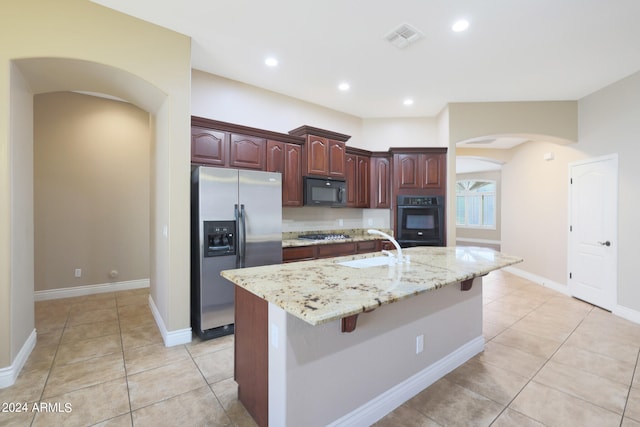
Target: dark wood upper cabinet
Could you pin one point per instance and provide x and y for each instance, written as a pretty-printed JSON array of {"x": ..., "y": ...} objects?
[
  {"x": 247, "y": 152},
  {"x": 407, "y": 170},
  {"x": 433, "y": 167},
  {"x": 286, "y": 158},
  {"x": 324, "y": 152},
  {"x": 351, "y": 178},
  {"x": 336, "y": 164},
  {"x": 209, "y": 146},
  {"x": 364, "y": 183},
  {"x": 420, "y": 169},
  {"x": 357, "y": 177},
  {"x": 381, "y": 182},
  {"x": 317, "y": 149},
  {"x": 223, "y": 144},
  {"x": 292, "y": 189},
  {"x": 275, "y": 156}
]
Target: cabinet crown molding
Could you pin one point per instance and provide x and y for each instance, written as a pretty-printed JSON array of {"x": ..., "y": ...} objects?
[
  {"x": 245, "y": 130},
  {"x": 310, "y": 130}
]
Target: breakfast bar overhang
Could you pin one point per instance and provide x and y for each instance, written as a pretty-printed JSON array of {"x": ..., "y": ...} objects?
[{"x": 329, "y": 342}]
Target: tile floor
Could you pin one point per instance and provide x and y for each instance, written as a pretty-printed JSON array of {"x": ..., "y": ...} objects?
[
  {"x": 104, "y": 355},
  {"x": 549, "y": 360}
]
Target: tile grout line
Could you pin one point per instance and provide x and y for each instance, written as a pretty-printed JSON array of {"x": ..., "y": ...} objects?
[
  {"x": 539, "y": 369},
  {"x": 53, "y": 360},
  {"x": 124, "y": 364},
  {"x": 626, "y": 402}
]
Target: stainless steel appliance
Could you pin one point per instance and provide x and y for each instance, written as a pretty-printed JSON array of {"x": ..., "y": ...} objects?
[
  {"x": 236, "y": 221},
  {"x": 324, "y": 192},
  {"x": 420, "y": 221},
  {"x": 324, "y": 236}
]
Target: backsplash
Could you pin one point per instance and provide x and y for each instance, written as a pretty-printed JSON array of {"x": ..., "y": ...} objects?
[{"x": 324, "y": 219}]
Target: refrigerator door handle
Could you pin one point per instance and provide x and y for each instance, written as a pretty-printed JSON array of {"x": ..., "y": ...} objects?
[
  {"x": 243, "y": 237},
  {"x": 236, "y": 213}
]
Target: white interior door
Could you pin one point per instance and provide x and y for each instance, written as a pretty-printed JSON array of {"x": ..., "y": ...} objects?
[{"x": 593, "y": 207}]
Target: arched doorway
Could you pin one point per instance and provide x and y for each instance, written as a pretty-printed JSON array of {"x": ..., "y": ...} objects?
[{"x": 32, "y": 76}]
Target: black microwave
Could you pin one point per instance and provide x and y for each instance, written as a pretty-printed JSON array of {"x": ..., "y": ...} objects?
[{"x": 324, "y": 192}]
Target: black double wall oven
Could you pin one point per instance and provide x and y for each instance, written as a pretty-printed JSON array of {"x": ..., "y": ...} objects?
[{"x": 420, "y": 221}]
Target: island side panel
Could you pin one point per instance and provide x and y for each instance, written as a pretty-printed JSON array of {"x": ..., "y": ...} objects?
[
  {"x": 321, "y": 375},
  {"x": 251, "y": 363}
]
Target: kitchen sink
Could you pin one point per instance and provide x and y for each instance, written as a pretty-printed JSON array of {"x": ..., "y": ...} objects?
[{"x": 369, "y": 262}]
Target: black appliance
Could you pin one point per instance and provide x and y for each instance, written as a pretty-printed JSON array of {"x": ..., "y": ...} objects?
[
  {"x": 324, "y": 192},
  {"x": 420, "y": 221}
]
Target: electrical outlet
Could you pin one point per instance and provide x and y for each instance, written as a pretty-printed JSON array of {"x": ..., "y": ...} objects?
[
  {"x": 78, "y": 272},
  {"x": 340, "y": 222},
  {"x": 419, "y": 344}
]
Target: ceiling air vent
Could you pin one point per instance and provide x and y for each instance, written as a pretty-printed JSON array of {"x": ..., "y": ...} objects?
[{"x": 403, "y": 36}]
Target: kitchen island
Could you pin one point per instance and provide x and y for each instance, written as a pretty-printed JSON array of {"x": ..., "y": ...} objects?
[{"x": 321, "y": 343}]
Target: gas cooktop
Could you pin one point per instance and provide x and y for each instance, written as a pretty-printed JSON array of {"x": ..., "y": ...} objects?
[{"x": 323, "y": 236}]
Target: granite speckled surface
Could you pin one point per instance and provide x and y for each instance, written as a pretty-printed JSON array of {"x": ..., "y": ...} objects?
[
  {"x": 321, "y": 291},
  {"x": 290, "y": 238}
]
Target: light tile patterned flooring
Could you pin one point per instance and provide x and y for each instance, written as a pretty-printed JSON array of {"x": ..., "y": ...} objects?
[{"x": 549, "y": 360}]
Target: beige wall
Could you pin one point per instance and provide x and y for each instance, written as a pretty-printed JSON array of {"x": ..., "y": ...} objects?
[
  {"x": 610, "y": 123},
  {"x": 481, "y": 233},
  {"x": 218, "y": 98},
  {"x": 121, "y": 57},
  {"x": 535, "y": 208},
  {"x": 380, "y": 134},
  {"x": 91, "y": 169},
  {"x": 556, "y": 121}
]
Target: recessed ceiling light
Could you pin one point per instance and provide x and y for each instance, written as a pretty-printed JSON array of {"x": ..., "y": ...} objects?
[
  {"x": 460, "y": 25},
  {"x": 408, "y": 101},
  {"x": 344, "y": 86},
  {"x": 271, "y": 62}
]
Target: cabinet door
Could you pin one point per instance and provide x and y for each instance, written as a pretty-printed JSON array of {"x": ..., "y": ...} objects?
[
  {"x": 247, "y": 152},
  {"x": 432, "y": 166},
  {"x": 381, "y": 182},
  {"x": 299, "y": 253},
  {"x": 368, "y": 246},
  {"x": 337, "y": 158},
  {"x": 351, "y": 178},
  {"x": 407, "y": 171},
  {"x": 362, "y": 194},
  {"x": 209, "y": 146},
  {"x": 275, "y": 157},
  {"x": 292, "y": 177},
  {"x": 317, "y": 155},
  {"x": 336, "y": 249}
]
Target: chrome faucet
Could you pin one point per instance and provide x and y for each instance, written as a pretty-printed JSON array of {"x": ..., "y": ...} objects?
[{"x": 399, "y": 258}]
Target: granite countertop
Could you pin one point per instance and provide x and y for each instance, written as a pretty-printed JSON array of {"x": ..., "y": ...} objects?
[
  {"x": 321, "y": 291},
  {"x": 290, "y": 239}
]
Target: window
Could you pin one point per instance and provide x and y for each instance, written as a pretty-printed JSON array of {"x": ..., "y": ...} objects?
[{"x": 476, "y": 203}]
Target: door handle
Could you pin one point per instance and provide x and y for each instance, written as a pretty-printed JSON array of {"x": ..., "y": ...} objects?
[
  {"x": 607, "y": 243},
  {"x": 243, "y": 237}
]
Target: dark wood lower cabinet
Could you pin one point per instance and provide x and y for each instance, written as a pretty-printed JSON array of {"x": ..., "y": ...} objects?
[
  {"x": 303, "y": 253},
  {"x": 251, "y": 356}
]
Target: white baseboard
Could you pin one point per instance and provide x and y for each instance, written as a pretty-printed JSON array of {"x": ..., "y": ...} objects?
[
  {"x": 543, "y": 281},
  {"x": 170, "y": 338},
  {"x": 9, "y": 374},
  {"x": 627, "y": 313},
  {"x": 78, "y": 291},
  {"x": 380, "y": 406}
]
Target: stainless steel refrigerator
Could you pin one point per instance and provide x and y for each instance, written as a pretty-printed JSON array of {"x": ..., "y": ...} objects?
[{"x": 236, "y": 222}]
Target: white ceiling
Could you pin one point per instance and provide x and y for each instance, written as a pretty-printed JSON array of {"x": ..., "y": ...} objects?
[{"x": 514, "y": 50}]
